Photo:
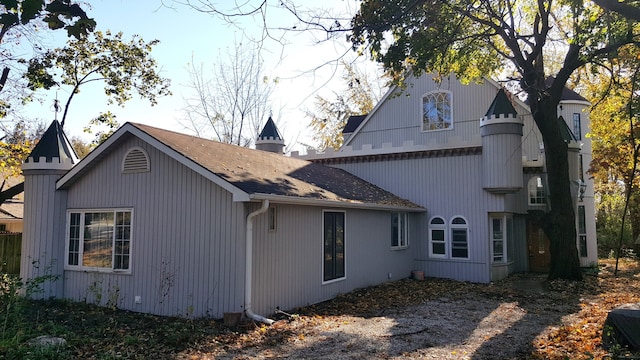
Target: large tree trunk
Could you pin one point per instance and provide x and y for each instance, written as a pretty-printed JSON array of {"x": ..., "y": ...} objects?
[{"x": 560, "y": 225}]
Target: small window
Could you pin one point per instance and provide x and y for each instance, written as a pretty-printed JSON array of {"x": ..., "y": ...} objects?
[
  {"x": 537, "y": 194},
  {"x": 272, "y": 218},
  {"x": 577, "y": 127},
  {"x": 99, "y": 240},
  {"x": 135, "y": 161},
  {"x": 459, "y": 238},
  {"x": 437, "y": 238},
  {"x": 333, "y": 246},
  {"x": 399, "y": 230},
  {"x": 582, "y": 231},
  {"x": 437, "y": 111},
  {"x": 501, "y": 237},
  {"x": 3, "y": 227}
]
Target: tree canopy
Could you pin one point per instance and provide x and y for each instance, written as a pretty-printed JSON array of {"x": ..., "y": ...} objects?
[
  {"x": 122, "y": 66},
  {"x": 476, "y": 39}
]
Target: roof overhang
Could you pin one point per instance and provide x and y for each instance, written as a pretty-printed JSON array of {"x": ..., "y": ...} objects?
[
  {"x": 128, "y": 128},
  {"x": 294, "y": 200}
]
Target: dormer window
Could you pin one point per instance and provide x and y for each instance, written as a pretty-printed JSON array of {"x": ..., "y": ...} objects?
[{"x": 437, "y": 111}]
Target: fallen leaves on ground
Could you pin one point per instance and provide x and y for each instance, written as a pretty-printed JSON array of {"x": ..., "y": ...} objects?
[{"x": 580, "y": 307}]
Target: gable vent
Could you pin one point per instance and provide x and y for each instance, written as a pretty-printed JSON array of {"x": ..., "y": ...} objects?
[{"x": 136, "y": 160}]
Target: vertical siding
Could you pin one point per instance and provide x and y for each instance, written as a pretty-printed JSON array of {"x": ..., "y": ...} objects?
[
  {"x": 502, "y": 161},
  {"x": 446, "y": 187},
  {"x": 399, "y": 118},
  {"x": 287, "y": 270},
  {"x": 187, "y": 237},
  {"x": 42, "y": 248}
]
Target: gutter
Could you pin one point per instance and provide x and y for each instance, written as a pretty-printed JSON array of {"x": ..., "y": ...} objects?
[
  {"x": 294, "y": 200},
  {"x": 249, "y": 265}
]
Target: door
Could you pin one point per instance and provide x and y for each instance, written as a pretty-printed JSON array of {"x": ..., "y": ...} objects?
[{"x": 538, "y": 245}]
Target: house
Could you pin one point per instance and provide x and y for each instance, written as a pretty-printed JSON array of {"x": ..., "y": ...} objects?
[
  {"x": 160, "y": 222},
  {"x": 473, "y": 156},
  {"x": 11, "y": 209},
  {"x": 438, "y": 179}
]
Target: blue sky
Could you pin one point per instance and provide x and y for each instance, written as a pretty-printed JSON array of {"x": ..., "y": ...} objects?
[{"x": 186, "y": 34}]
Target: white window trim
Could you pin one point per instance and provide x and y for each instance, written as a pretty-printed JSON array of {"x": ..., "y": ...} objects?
[
  {"x": 458, "y": 226},
  {"x": 91, "y": 268},
  {"x": 422, "y": 129},
  {"x": 505, "y": 237},
  {"x": 534, "y": 180},
  {"x": 323, "y": 281},
  {"x": 445, "y": 230},
  {"x": 403, "y": 243}
]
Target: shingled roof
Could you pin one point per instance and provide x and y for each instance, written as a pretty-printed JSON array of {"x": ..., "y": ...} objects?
[{"x": 262, "y": 173}]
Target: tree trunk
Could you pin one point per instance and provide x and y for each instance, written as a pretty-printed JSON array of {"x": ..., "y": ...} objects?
[{"x": 560, "y": 225}]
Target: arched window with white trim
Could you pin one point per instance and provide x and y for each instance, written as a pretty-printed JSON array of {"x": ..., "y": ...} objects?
[
  {"x": 437, "y": 238},
  {"x": 459, "y": 238},
  {"x": 437, "y": 113}
]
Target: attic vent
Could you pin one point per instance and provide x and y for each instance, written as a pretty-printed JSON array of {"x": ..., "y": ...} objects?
[{"x": 136, "y": 160}]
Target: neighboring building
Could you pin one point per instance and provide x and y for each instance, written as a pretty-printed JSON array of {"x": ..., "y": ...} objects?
[
  {"x": 472, "y": 156},
  {"x": 165, "y": 223},
  {"x": 11, "y": 209}
]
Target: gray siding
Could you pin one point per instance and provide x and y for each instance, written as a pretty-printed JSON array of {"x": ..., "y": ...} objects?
[
  {"x": 399, "y": 118},
  {"x": 502, "y": 162},
  {"x": 447, "y": 187},
  {"x": 187, "y": 239},
  {"x": 287, "y": 270},
  {"x": 42, "y": 251}
]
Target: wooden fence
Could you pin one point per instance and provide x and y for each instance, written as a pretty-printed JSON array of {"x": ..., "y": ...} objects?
[{"x": 10, "y": 250}]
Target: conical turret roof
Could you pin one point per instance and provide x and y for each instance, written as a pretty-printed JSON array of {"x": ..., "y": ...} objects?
[
  {"x": 53, "y": 144},
  {"x": 501, "y": 105}
]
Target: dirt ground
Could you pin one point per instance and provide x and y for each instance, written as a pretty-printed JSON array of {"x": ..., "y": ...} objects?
[{"x": 522, "y": 317}]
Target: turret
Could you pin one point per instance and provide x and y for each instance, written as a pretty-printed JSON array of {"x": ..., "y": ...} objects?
[
  {"x": 501, "y": 132},
  {"x": 270, "y": 138},
  {"x": 43, "y": 246}
]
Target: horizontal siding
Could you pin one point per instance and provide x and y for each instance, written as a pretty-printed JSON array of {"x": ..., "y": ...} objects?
[
  {"x": 287, "y": 268},
  {"x": 187, "y": 239}
]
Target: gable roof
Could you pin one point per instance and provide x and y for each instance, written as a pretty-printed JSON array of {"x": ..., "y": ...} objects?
[{"x": 253, "y": 174}]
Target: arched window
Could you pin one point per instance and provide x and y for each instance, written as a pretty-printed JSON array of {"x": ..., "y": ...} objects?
[
  {"x": 437, "y": 238},
  {"x": 136, "y": 160},
  {"x": 437, "y": 111},
  {"x": 459, "y": 238},
  {"x": 537, "y": 195}
]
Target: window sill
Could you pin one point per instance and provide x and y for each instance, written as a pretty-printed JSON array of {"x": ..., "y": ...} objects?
[
  {"x": 396, "y": 248},
  {"x": 327, "y": 282},
  {"x": 98, "y": 270}
]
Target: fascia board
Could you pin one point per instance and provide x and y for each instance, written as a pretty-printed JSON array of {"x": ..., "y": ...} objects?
[{"x": 281, "y": 199}]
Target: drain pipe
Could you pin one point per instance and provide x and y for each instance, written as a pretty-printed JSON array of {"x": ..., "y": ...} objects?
[{"x": 249, "y": 264}]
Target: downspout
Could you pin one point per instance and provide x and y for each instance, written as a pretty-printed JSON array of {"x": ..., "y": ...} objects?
[{"x": 249, "y": 265}]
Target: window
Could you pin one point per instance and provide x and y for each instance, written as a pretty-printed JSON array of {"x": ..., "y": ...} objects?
[
  {"x": 459, "y": 238},
  {"x": 333, "y": 252},
  {"x": 272, "y": 218},
  {"x": 498, "y": 240},
  {"x": 537, "y": 194},
  {"x": 437, "y": 238},
  {"x": 436, "y": 111},
  {"x": 577, "y": 128},
  {"x": 399, "y": 230},
  {"x": 582, "y": 231},
  {"x": 99, "y": 240},
  {"x": 3, "y": 227},
  {"x": 501, "y": 237}
]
